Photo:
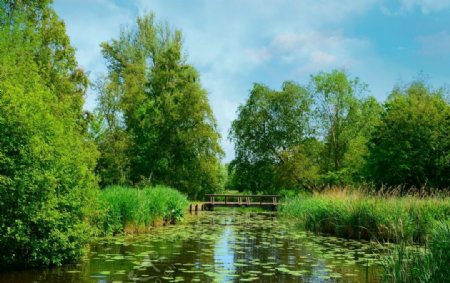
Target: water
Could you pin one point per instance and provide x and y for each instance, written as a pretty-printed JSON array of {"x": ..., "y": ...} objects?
[{"x": 218, "y": 247}]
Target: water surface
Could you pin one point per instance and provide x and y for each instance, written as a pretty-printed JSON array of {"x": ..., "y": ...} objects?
[{"x": 219, "y": 247}]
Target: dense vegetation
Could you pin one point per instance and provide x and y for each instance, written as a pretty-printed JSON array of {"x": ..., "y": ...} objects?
[
  {"x": 49, "y": 147},
  {"x": 332, "y": 133},
  {"x": 129, "y": 210},
  {"x": 370, "y": 216},
  {"x": 46, "y": 159},
  {"x": 380, "y": 217},
  {"x": 417, "y": 264}
]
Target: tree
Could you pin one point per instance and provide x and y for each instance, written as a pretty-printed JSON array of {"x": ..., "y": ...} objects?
[
  {"x": 109, "y": 133},
  {"x": 411, "y": 146},
  {"x": 269, "y": 136},
  {"x": 342, "y": 120},
  {"x": 46, "y": 161},
  {"x": 173, "y": 133}
]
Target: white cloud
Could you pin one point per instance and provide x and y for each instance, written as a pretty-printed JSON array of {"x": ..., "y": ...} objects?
[
  {"x": 426, "y": 6},
  {"x": 314, "y": 51},
  {"x": 404, "y": 7}
]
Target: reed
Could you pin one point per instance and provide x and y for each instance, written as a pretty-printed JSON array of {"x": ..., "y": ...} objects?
[
  {"x": 420, "y": 264},
  {"x": 363, "y": 214},
  {"x": 131, "y": 210}
]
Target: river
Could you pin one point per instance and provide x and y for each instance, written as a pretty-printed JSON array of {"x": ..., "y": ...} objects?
[{"x": 220, "y": 246}]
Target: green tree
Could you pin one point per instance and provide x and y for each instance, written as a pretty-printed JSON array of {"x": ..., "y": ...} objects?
[
  {"x": 109, "y": 133},
  {"x": 46, "y": 162},
  {"x": 411, "y": 145},
  {"x": 173, "y": 133},
  {"x": 343, "y": 120},
  {"x": 269, "y": 136}
]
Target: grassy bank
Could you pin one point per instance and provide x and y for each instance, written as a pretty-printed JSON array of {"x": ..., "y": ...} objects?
[
  {"x": 354, "y": 214},
  {"x": 131, "y": 210},
  {"x": 404, "y": 220}
]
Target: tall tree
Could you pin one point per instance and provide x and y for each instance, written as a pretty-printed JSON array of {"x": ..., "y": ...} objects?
[
  {"x": 269, "y": 134},
  {"x": 109, "y": 133},
  {"x": 340, "y": 120},
  {"x": 46, "y": 162},
  {"x": 411, "y": 145},
  {"x": 166, "y": 111}
]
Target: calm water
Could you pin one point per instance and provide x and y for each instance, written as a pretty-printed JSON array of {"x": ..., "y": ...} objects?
[{"x": 218, "y": 247}]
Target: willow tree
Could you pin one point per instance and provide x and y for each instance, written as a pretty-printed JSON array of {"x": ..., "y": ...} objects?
[
  {"x": 166, "y": 112},
  {"x": 46, "y": 162}
]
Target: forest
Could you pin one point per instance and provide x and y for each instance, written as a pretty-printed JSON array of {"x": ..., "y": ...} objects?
[{"x": 152, "y": 143}]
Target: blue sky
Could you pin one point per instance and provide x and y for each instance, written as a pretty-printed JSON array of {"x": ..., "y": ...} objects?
[{"x": 234, "y": 43}]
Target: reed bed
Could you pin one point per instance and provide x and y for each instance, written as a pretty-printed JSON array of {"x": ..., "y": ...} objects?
[
  {"x": 429, "y": 263},
  {"x": 132, "y": 210},
  {"x": 362, "y": 214}
]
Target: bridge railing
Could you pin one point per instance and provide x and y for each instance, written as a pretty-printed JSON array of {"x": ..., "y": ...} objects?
[{"x": 232, "y": 199}]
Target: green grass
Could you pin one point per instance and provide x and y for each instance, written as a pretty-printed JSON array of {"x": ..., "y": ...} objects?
[
  {"x": 354, "y": 214},
  {"x": 421, "y": 264},
  {"x": 123, "y": 209}
]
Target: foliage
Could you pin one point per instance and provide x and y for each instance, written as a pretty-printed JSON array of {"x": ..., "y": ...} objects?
[
  {"x": 172, "y": 133},
  {"x": 344, "y": 118},
  {"x": 270, "y": 136},
  {"x": 300, "y": 138},
  {"x": 410, "y": 146},
  {"x": 46, "y": 161},
  {"x": 108, "y": 131},
  {"x": 354, "y": 214},
  {"x": 139, "y": 208}
]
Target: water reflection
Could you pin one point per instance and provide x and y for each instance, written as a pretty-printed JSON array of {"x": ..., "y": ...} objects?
[
  {"x": 218, "y": 247},
  {"x": 224, "y": 256}
]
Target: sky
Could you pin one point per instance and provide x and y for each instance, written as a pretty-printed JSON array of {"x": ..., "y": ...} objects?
[{"x": 235, "y": 43}]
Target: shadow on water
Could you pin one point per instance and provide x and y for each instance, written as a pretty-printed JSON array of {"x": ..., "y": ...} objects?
[{"x": 224, "y": 246}]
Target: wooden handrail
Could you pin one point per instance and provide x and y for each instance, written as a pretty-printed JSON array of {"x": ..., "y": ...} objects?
[{"x": 233, "y": 200}]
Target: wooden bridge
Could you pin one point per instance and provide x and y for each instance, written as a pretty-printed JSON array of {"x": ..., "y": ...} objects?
[{"x": 225, "y": 200}]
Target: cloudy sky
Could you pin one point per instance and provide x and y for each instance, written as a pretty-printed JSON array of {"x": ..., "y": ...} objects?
[{"x": 234, "y": 43}]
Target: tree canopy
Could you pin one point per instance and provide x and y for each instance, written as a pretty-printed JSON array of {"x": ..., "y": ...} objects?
[
  {"x": 171, "y": 131},
  {"x": 411, "y": 145},
  {"x": 269, "y": 135},
  {"x": 303, "y": 137},
  {"x": 46, "y": 159}
]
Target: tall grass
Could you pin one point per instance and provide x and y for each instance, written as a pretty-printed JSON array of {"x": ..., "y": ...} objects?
[
  {"x": 125, "y": 209},
  {"x": 419, "y": 264},
  {"x": 360, "y": 215}
]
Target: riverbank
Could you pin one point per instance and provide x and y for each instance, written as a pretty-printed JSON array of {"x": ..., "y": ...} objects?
[
  {"x": 130, "y": 210},
  {"x": 404, "y": 220},
  {"x": 357, "y": 215}
]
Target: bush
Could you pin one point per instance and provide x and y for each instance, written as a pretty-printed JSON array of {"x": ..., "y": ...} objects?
[{"x": 46, "y": 164}]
